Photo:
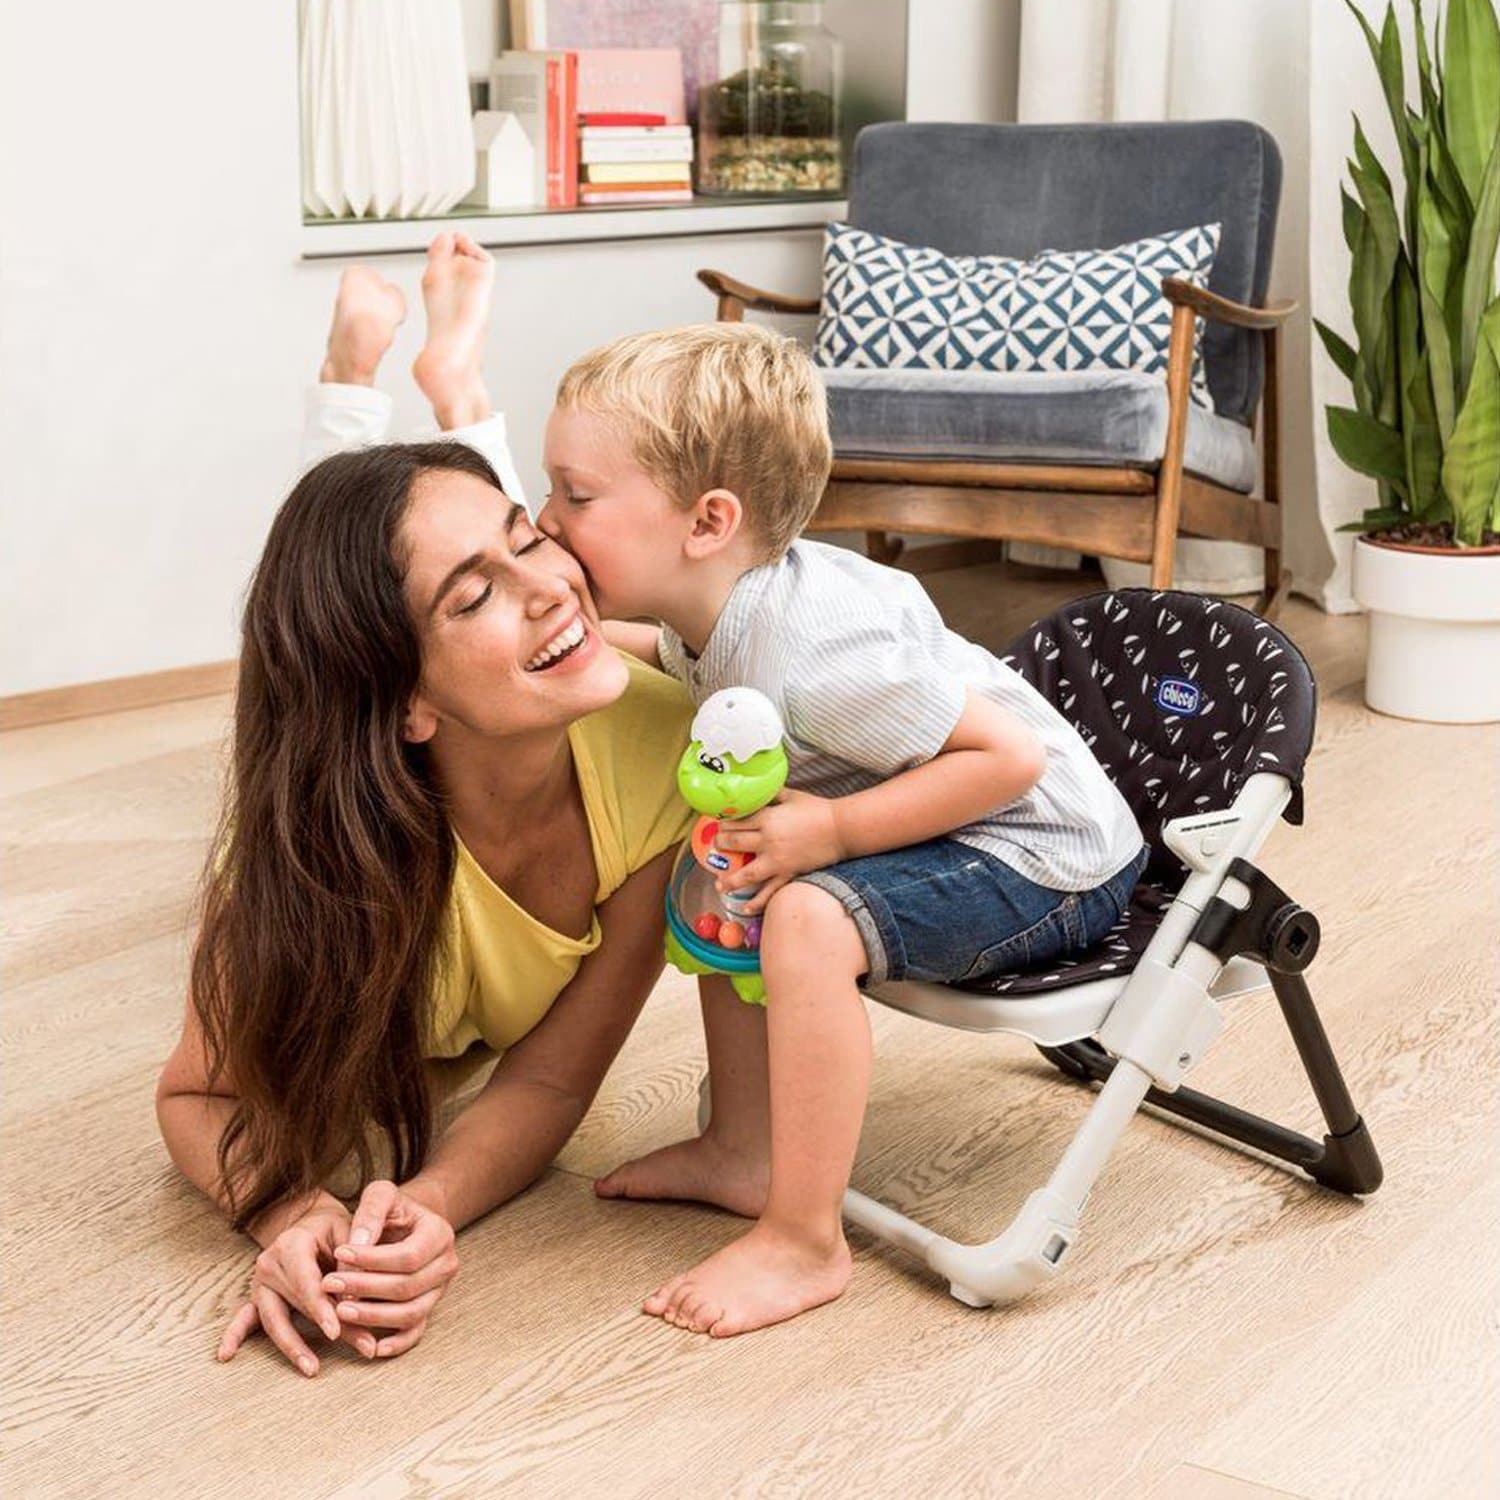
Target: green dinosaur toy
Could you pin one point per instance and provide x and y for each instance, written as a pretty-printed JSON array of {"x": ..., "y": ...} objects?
[{"x": 734, "y": 766}]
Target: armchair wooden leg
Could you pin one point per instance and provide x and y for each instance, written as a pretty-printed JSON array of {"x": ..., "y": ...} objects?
[
  {"x": 1163, "y": 542},
  {"x": 1278, "y": 585},
  {"x": 882, "y": 547},
  {"x": 1169, "y": 476},
  {"x": 1277, "y": 580}
]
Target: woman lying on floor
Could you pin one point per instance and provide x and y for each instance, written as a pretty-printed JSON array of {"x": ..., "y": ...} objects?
[{"x": 450, "y": 819}]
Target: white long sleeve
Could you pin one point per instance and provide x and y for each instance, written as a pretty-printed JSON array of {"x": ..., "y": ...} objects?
[
  {"x": 488, "y": 438},
  {"x": 338, "y": 417}
]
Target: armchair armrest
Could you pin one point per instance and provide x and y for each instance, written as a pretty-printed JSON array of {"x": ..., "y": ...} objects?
[
  {"x": 1219, "y": 309},
  {"x": 735, "y": 296}
]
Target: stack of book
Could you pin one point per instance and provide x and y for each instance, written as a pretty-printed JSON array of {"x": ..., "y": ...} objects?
[{"x": 634, "y": 158}]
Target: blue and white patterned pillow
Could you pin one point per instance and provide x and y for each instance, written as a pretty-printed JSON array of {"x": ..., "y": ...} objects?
[{"x": 890, "y": 305}]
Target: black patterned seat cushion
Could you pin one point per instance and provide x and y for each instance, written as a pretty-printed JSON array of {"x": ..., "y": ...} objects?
[
  {"x": 1116, "y": 956},
  {"x": 1182, "y": 699}
]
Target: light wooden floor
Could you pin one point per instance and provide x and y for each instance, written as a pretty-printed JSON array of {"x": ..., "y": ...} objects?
[{"x": 1226, "y": 1331}]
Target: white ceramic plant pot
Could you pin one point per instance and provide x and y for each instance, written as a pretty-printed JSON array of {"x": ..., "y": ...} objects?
[{"x": 1434, "y": 632}]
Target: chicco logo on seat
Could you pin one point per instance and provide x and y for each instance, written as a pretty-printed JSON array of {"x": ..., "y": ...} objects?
[{"x": 1174, "y": 695}]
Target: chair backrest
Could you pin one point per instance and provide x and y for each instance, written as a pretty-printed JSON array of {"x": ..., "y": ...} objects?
[
  {"x": 1017, "y": 190},
  {"x": 1181, "y": 698}
]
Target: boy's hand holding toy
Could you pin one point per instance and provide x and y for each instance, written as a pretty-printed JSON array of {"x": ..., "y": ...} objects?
[{"x": 797, "y": 833}]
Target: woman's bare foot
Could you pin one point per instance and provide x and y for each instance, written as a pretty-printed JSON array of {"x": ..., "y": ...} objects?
[
  {"x": 456, "y": 289},
  {"x": 702, "y": 1170},
  {"x": 366, "y": 314},
  {"x": 766, "y": 1277}
]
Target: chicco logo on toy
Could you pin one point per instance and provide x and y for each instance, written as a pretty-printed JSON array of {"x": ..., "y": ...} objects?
[{"x": 1176, "y": 696}]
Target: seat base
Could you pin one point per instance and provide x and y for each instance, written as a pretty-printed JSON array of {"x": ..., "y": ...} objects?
[{"x": 1062, "y": 1015}]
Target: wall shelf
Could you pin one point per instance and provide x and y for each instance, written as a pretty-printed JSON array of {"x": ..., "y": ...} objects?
[
  {"x": 874, "y": 34},
  {"x": 330, "y": 238}
]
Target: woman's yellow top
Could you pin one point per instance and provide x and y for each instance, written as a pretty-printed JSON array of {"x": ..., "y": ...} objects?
[{"x": 503, "y": 968}]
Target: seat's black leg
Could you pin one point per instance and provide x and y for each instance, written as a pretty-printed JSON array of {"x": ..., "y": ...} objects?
[
  {"x": 1344, "y": 1161},
  {"x": 1284, "y": 937},
  {"x": 1075, "y": 1066},
  {"x": 1348, "y": 1160}
]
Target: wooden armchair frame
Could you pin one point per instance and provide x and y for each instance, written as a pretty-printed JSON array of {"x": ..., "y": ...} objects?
[{"x": 1133, "y": 513}]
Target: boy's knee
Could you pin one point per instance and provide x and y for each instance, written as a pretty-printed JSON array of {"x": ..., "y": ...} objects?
[
  {"x": 803, "y": 921},
  {"x": 802, "y": 905}
]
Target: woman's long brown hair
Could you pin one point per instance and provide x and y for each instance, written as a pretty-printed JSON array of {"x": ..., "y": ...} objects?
[{"x": 324, "y": 897}]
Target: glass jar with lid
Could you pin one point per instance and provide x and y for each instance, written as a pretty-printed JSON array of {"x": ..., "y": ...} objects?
[{"x": 769, "y": 123}]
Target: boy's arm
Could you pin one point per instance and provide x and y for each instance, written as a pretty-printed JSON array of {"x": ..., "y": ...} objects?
[
  {"x": 989, "y": 760},
  {"x": 634, "y": 638}
]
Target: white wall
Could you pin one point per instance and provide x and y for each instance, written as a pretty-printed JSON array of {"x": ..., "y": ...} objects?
[
  {"x": 157, "y": 326},
  {"x": 146, "y": 293},
  {"x": 961, "y": 59}
]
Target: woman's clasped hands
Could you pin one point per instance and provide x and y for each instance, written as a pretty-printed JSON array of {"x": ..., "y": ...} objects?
[{"x": 369, "y": 1279}]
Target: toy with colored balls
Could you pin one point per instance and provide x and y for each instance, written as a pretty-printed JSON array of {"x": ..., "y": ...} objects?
[{"x": 734, "y": 765}]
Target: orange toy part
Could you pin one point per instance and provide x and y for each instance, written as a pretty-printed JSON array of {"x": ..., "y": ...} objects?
[
  {"x": 731, "y": 935},
  {"x": 719, "y": 861}
]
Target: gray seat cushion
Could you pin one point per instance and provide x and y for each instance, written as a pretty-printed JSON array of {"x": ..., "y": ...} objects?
[{"x": 1105, "y": 417}]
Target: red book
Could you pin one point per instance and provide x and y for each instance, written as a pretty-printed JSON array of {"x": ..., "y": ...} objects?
[
  {"x": 570, "y": 130},
  {"x": 554, "y": 134},
  {"x": 562, "y": 130},
  {"x": 621, "y": 119}
]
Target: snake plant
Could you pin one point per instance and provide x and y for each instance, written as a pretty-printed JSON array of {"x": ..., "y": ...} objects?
[{"x": 1425, "y": 364}]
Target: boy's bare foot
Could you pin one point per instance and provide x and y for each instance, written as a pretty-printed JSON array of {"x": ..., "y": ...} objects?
[
  {"x": 764, "y": 1278},
  {"x": 366, "y": 314},
  {"x": 703, "y": 1170},
  {"x": 456, "y": 289}
]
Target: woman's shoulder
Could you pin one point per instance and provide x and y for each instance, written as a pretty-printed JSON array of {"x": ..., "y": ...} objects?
[{"x": 651, "y": 715}]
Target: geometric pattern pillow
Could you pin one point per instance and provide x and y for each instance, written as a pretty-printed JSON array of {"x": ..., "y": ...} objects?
[{"x": 889, "y": 305}]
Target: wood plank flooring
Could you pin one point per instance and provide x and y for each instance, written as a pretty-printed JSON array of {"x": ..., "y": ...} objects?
[{"x": 1226, "y": 1331}]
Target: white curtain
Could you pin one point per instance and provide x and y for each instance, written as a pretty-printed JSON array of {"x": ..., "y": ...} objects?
[{"x": 1298, "y": 69}]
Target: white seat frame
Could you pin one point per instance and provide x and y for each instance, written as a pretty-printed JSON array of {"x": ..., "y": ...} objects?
[{"x": 1158, "y": 1022}]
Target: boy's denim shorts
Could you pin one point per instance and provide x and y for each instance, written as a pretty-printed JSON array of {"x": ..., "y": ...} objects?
[{"x": 946, "y": 913}]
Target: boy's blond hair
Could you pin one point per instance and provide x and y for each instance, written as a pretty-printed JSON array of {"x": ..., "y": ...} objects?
[{"x": 716, "y": 406}]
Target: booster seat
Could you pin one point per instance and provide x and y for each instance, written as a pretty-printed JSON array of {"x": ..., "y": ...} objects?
[{"x": 1202, "y": 714}]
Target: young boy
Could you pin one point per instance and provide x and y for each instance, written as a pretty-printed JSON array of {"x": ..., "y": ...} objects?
[{"x": 942, "y": 821}]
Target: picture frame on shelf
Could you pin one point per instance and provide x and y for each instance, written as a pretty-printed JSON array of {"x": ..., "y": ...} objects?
[{"x": 691, "y": 26}]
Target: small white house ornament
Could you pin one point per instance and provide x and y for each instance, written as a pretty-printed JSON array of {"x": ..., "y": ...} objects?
[{"x": 504, "y": 162}]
